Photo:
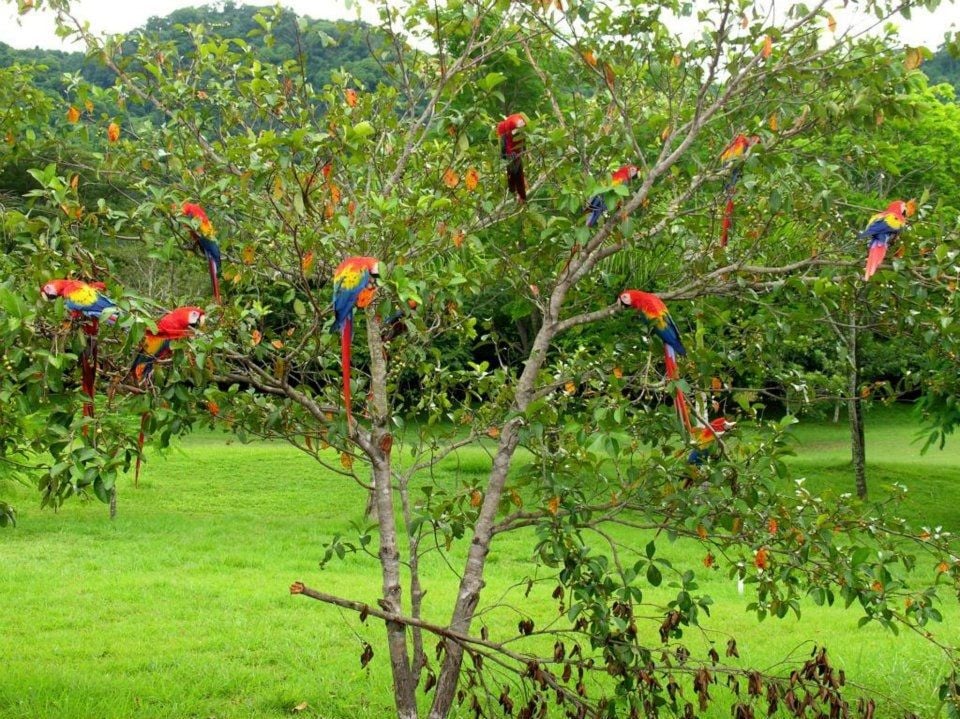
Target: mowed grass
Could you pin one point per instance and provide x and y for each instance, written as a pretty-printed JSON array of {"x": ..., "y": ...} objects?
[{"x": 180, "y": 607}]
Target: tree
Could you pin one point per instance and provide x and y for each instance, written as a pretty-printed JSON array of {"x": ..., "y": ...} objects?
[{"x": 299, "y": 177}]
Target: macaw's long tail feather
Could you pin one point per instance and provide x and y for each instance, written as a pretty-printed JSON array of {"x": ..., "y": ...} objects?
[
  {"x": 670, "y": 359},
  {"x": 595, "y": 209},
  {"x": 346, "y": 337},
  {"x": 515, "y": 180},
  {"x": 874, "y": 258},
  {"x": 727, "y": 222},
  {"x": 88, "y": 365},
  {"x": 683, "y": 410},
  {"x": 214, "y": 280},
  {"x": 680, "y": 399},
  {"x": 144, "y": 418}
]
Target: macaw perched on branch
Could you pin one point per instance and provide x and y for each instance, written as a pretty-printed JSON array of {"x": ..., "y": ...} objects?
[
  {"x": 655, "y": 314},
  {"x": 511, "y": 149},
  {"x": 705, "y": 438},
  {"x": 206, "y": 243},
  {"x": 354, "y": 285},
  {"x": 84, "y": 300},
  {"x": 883, "y": 229},
  {"x": 736, "y": 151},
  {"x": 176, "y": 325},
  {"x": 598, "y": 205}
]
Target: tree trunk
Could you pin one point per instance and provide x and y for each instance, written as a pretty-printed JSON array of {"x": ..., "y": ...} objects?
[
  {"x": 857, "y": 445},
  {"x": 377, "y": 444}
]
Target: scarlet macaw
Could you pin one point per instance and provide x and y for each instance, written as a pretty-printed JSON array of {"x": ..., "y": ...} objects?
[
  {"x": 511, "y": 149},
  {"x": 705, "y": 438},
  {"x": 655, "y": 314},
  {"x": 175, "y": 325},
  {"x": 598, "y": 205},
  {"x": 884, "y": 227},
  {"x": 84, "y": 300},
  {"x": 354, "y": 285},
  {"x": 206, "y": 243},
  {"x": 734, "y": 152}
]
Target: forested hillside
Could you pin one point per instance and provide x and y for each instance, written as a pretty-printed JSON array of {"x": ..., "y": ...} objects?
[{"x": 324, "y": 46}]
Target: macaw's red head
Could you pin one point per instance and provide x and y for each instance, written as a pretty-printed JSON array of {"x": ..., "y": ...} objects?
[
  {"x": 721, "y": 425},
  {"x": 181, "y": 322},
  {"x": 626, "y": 173},
  {"x": 195, "y": 211},
  {"x": 512, "y": 123},
  {"x": 645, "y": 302},
  {"x": 900, "y": 208},
  {"x": 57, "y": 288}
]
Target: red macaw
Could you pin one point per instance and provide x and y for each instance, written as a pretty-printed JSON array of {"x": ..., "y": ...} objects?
[
  {"x": 175, "y": 325},
  {"x": 734, "y": 152},
  {"x": 354, "y": 285},
  {"x": 655, "y": 314},
  {"x": 511, "y": 149},
  {"x": 598, "y": 205},
  {"x": 883, "y": 229},
  {"x": 206, "y": 243},
  {"x": 84, "y": 300},
  {"x": 705, "y": 437}
]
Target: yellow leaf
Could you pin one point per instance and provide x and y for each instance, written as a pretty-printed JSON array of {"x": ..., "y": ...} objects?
[
  {"x": 911, "y": 208},
  {"x": 202, "y": 95},
  {"x": 831, "y": 22},
  {"x": 255, "y": 337},
  {"x": 74, "y": 181},
  {"x": 88, "y": 104},
  {"x": 458, "y": 238},
  {"x": 334, "y": 194},
  {"x": 476, "y": 498},
  {"x": 213, "y": 408},
  {"x": 113, "y": 132},
  {"x": 280, "y": 368},
  {"x": 665, "y": 134},
  {"x": 306, "y": 262},
  {"x": 277, "y": 344},
  {"x": 701, "y": 531},
  {"x": 516, "y": 498},
  {"x": 10, "y": 138},
  {"x": 73, "y": 114},
  {"x": 472, "y": 179},
  {"x": 328, "y": 210},
  {"x": 569, "y": 388},
  {"x": 351, "y": 207},
  {"x": 277, "y": 191},
  {"x": 774, "y": 122},
  {"x": 302, "y": 706},
  {"x": 553, "y": 505},
  {"x": 767, "y": 47},
  {"x": 676, "y": 60},
  {"x": 450, "y": 178},
  {"x": 913, "y": 59},
  {"x": 590, "y": 58},
  {"x": 346, "y": 460},
  {"x": 618, "y": 373},
  {"x": 493, "y": 432},
  {"x": 715, "y": 384},
  {"x": 351, "y": 97},
  {"x": 248, "y": 254},
  {"x": 879, "y": 118}
]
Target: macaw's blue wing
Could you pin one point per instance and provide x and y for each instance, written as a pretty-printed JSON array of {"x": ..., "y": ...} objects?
[
  {"x": 88, "y": 302},
  {"x": 596, "y": 207},
  {"x": 211, "y": 250},
  {"x": 346, "y": 289},
  {"x": 882, "y": 225}
]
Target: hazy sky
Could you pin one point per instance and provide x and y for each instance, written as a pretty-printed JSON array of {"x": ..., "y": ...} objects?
[{"x": 114, "y": 16}]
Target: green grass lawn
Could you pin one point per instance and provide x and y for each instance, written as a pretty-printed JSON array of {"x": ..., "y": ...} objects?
[{"x": 180, "y": 607}]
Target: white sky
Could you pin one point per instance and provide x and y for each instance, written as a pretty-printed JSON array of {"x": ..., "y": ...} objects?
[{"x": 117, "y": 16}]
